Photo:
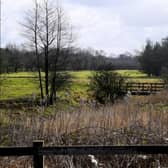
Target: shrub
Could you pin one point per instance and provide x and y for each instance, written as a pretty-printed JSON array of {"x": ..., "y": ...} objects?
[{"x": 107, "y": 86}]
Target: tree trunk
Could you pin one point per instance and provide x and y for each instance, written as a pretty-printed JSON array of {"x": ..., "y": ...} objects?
[
  {"x": 39, "y": 74},
  {"x": 46, "y": 51},
  {"x": 36, "y": 51},
  {"x": 53, "y": 90},
  {"x": 46, "y": 72}
]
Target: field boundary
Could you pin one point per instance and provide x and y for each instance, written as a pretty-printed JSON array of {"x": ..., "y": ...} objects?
[
  {"x": 144, "y": 88},
  {"x": 38, "y": 151}
]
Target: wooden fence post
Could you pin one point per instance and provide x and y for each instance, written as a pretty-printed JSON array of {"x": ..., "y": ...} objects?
[
  {"x": 151, "y": 88},
  {"x": 38, "y": 161},
  {"x": 143, "y": 87}
]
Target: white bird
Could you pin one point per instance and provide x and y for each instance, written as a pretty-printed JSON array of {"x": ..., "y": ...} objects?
[{"x": 93, "y": 160}]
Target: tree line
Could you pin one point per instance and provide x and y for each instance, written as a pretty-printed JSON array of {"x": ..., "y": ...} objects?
[
  {"x": 154, "y": 57},
  {"x": 16, "y": 59}
]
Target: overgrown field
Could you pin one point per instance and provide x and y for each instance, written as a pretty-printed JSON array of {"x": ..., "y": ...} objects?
[
  {"x": 15, "y": 85},
  {"x": 137, "y": 120},
  {"x": 133, "y": 120}
]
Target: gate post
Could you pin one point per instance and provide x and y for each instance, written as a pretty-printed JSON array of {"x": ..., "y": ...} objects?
[{"x": 38, "y": 161}]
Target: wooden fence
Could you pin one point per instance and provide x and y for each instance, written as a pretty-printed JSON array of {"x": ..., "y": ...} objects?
[
  {"x": 38, "y": 151},
  {"x": 144, "y": 88}
]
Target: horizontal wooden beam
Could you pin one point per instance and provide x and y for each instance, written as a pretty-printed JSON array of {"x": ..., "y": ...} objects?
[
  {"x": 84, "y": 150},
  {"x": 16, "y": 151},
  {"x": 96, "y": 150}
]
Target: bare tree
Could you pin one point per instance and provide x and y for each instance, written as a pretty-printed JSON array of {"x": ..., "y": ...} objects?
[
  {"x": 47, "y": 35},
  {"x": 54, "y": 33},
  {"x": 31, "y": 33},
  {"x": 64, "y": 40},
  {"x": 49, "y": 31},
  {"x": 36, "y": 47}
]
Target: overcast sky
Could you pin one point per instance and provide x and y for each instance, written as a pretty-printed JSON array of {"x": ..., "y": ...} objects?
[{"x": 115, "y": 26}]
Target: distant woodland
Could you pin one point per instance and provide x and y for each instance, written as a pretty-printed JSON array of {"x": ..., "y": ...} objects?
[{"x": 14, "y": 59}]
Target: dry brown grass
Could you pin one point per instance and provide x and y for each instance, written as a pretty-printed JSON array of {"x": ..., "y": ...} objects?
[{"x": 140, "y": 120}]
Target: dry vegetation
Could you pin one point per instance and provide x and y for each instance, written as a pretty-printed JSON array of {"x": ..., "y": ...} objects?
[{"x": 137, "y": 120}]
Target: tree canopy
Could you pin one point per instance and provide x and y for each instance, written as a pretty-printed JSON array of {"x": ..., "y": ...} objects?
[{"x": 154, "y": 57}]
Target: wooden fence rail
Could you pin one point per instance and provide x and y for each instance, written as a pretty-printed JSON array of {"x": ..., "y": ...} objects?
[
  {"x": 38, "y": 151},
  {"x": 144, "y": 87}
]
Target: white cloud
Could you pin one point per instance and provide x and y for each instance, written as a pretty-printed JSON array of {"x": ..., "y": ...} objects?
[
  {"x": 115, "y": 26},
  {"x": 95, "y": 26},
  {"x": 145, "y": 13}
]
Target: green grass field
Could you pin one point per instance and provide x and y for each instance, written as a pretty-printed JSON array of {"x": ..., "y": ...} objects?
[{"x": 12, "y": 88}]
